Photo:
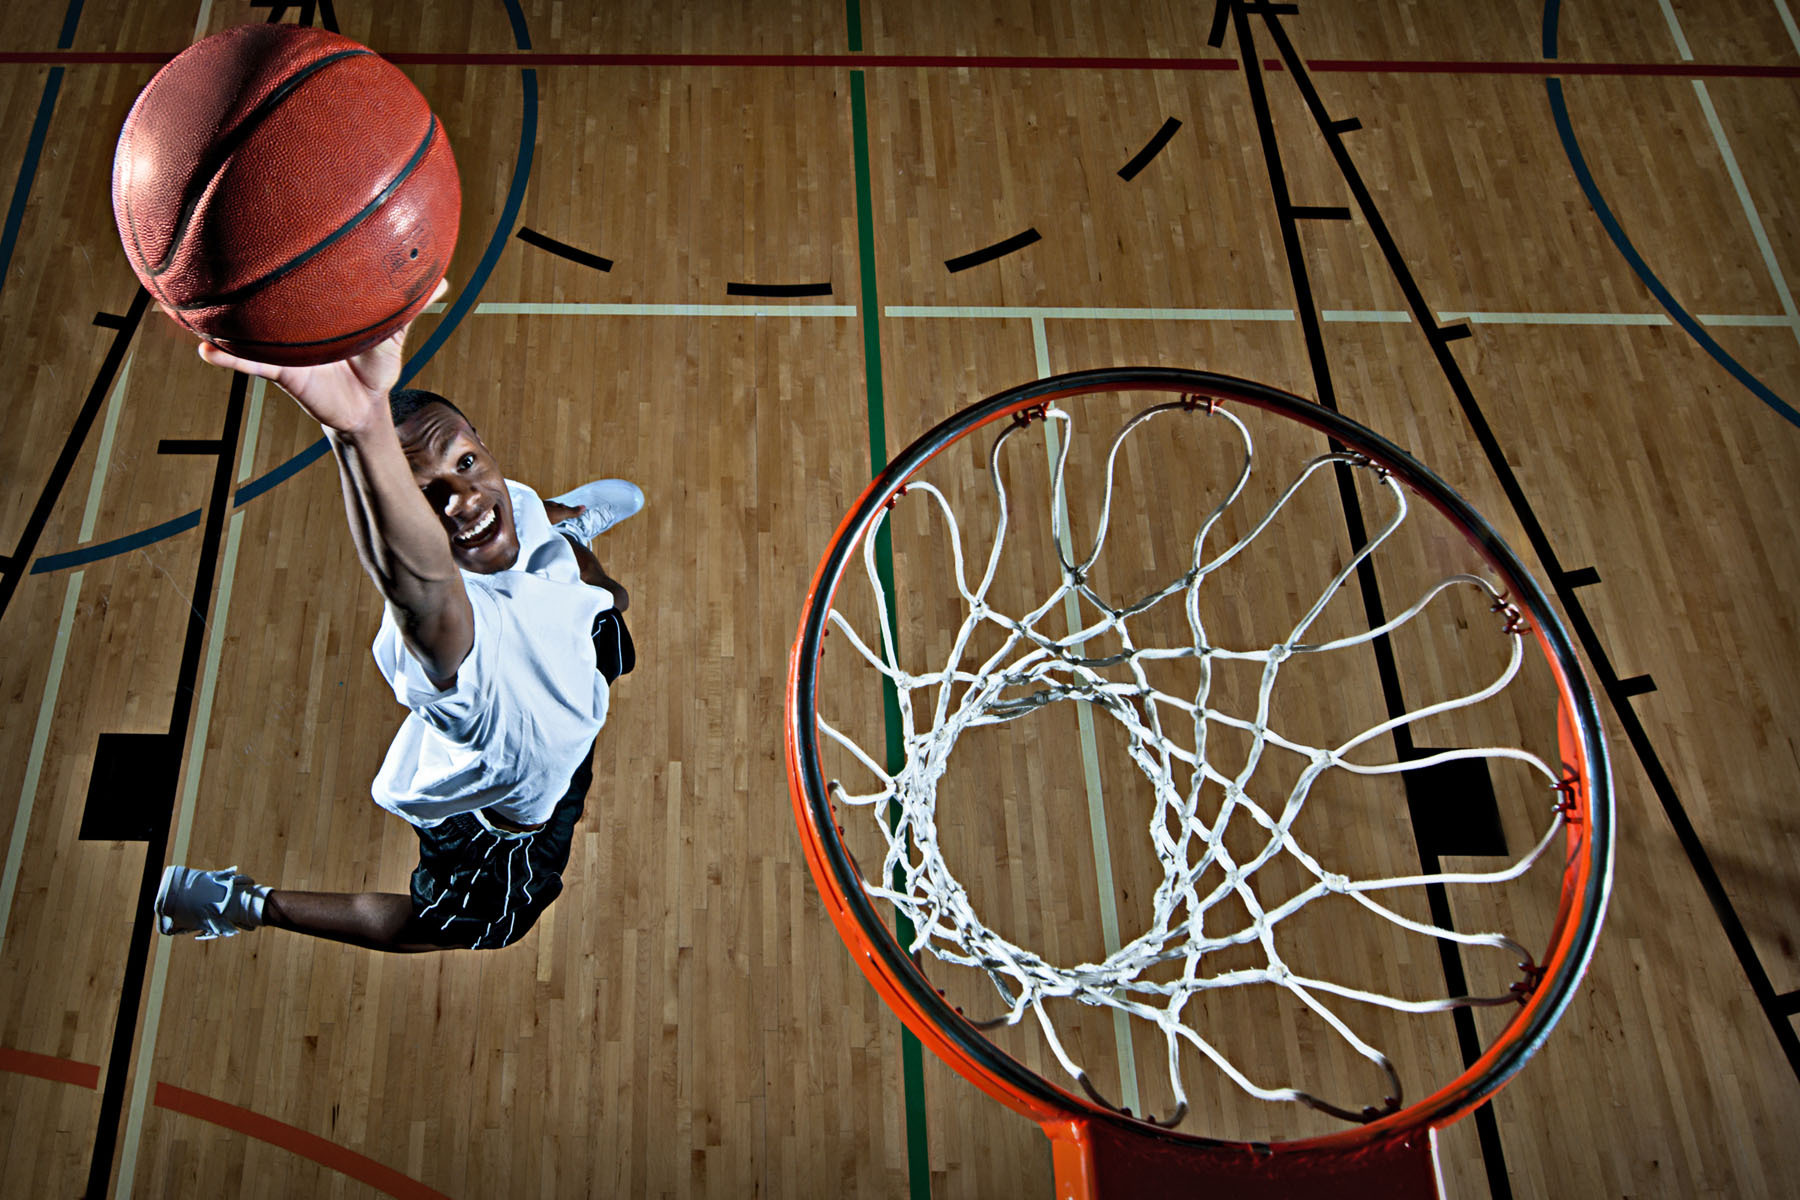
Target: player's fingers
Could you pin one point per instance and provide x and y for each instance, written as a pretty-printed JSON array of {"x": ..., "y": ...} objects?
[
  {"x": 231, "y": 362},
  {"x": 437, "y": 293}
]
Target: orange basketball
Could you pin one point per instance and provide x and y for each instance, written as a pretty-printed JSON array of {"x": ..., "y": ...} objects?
[{"x": 286, "y": 194}]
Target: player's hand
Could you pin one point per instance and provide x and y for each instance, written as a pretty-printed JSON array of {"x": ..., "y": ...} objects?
[{"x": 349, "y": 395}]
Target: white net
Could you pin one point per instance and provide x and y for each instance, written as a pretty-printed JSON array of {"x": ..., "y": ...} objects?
[{"x": 1155, "y": 975}]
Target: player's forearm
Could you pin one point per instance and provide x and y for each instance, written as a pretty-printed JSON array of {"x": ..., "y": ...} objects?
[{"x": 399, "y": 540}]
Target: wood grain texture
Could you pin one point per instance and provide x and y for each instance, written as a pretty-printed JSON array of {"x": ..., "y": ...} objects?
[{"x": 684, "y": 1022}]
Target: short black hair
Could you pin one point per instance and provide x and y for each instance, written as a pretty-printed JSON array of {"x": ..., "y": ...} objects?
[{"x": 404, "y": 402}]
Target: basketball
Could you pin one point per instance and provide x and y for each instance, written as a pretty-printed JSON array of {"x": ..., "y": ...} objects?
[{"x": 285, "y": 194}]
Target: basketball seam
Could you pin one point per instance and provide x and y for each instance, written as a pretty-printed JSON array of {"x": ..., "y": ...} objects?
[
  {"x": 226, "y": 342},
  {"x": 221, "y": 151},
  {"x": 307, "y": 255}
]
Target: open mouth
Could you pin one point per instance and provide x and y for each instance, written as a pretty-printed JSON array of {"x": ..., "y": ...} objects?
[{"x": 483, "y": 529}]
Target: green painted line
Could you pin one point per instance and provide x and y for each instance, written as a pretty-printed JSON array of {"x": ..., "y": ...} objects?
[
  {"x": 853, "y": 20},
  {"x": 912, "y": 1060}
]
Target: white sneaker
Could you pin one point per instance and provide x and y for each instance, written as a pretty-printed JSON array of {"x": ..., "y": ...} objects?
[
  {"x": 607, "y": 501},
  {"x": 210, "y": 903}
]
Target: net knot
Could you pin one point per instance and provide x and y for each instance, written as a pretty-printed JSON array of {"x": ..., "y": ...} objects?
[
  {"x": 1515, "y": 622},
  {"x": 1568, "y": 805},
  {"x": 1523, "y": 989},
  {"x": 1335, "y": 882}
]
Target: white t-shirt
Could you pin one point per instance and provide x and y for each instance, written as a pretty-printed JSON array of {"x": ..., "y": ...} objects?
[{"x": 527, "y": 701}]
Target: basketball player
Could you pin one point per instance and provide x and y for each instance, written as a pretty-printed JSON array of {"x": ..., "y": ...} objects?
[{"x": 502, "y": 635}]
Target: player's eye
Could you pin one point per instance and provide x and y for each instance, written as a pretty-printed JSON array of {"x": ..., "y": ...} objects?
[{"x": 466, "y": 462}]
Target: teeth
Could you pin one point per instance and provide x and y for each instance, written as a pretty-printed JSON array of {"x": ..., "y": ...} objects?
[{"x": 480, "y": 527}]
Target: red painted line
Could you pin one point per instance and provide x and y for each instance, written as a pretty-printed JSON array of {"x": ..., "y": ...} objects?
[
  {"x": 61, "y": 58},
  {"x": 296, "y": 1141},
  {"x": 532, "y": 58},
  {"x": 1551, "y": 66},
  {"x": 57, "y": 1070}
]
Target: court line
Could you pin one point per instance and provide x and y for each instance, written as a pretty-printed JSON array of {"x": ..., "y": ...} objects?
[
  {"x": 48, "y": 1066},
  {"x": 1750, "y": 214},
  {"x": 999, "y": 62},
  {"x": 82, "y": 555},
  {"x": 190, "y": 789},
  {"x": 509, "y": 309},
  {"x": 1090, "y": 765},
  {"x": 1731, "y": 168},
  {"x": 912, "y": 1054},
  {"x": 34, "y": 145},
  {"x": 40, "y": 738},
  {"x": 1331, "y": 315},
  {"x": 1565, "y": 129},
  {"x": 1438, "y": 336},
  {"x": 194, "y": 637},
  {"x": 296, "y": 1141},
  {"x": 1787, "y": 23}
]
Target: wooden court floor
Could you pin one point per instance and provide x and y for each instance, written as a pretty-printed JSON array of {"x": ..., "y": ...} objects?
[{"x": 714, "y": 248}]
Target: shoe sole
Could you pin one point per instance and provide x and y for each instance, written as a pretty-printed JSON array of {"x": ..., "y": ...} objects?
[{"x": 163, "y": 923}]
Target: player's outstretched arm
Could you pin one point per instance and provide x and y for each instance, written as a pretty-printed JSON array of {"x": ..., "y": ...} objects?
[{"x": 399, "y": 539}]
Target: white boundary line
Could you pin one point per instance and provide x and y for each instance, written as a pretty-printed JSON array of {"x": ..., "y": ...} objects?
[
  {"x": 184, "y": 814},
  {"x": 1749, "y": 205},
  {"x": 1090, "y": 763},
  {"x": 40, "y": 737},
  {"x": 1379, "y": 316},
  {"x": 1089, "y": 314},
  {"x": 1787, "y": 21},
  {"x": 1681, "y": 44},
  {"x": 1731, "y": 165}
]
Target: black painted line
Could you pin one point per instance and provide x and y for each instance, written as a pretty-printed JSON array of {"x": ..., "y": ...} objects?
[
  {"x": 986, "y": 254},
  {"x": 1256, "y": 9},
  {"x": 1637, "y": 685},
  {"x": 1215, "y": 37},
  {"x": 574, "y": 254},
  {"x": 188, "y": 446},
  {"x": 1448, "y": 333},
  {"x": 1648, "y": 758},
  {"x": 6, "y": 562},
  {"x": 778, "y": 289},
  {"x": 131, "y": 987},
  {"x": 131, "y": 790},
  {"x": 1347, "y": 125},
  {"x": 1319, "y": 212},
  {"x": 1788, "y": 1003},
  {"x": 65, "y": 461},
  {"x": 1580, "y": 577},
  {"x": 1151, "y": 149},
  {"x": 106, "y": 320},
  {"x": 1493, "y": 1153}
]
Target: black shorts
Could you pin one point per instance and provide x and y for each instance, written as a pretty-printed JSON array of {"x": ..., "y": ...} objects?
[{"x": 480, "y": 889}]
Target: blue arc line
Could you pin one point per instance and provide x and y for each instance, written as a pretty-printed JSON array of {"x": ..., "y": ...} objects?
[
  {"x": 464, "y": 303},
  {"x": 1559, "y": 110},
  {"x": 1680, "y": 315}
]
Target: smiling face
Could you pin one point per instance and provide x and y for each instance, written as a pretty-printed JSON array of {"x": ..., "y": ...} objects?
[{"x": 462, "y": 483}]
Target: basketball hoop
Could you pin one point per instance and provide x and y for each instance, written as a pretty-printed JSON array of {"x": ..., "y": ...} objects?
[{"x": 1104, "y": 665}]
